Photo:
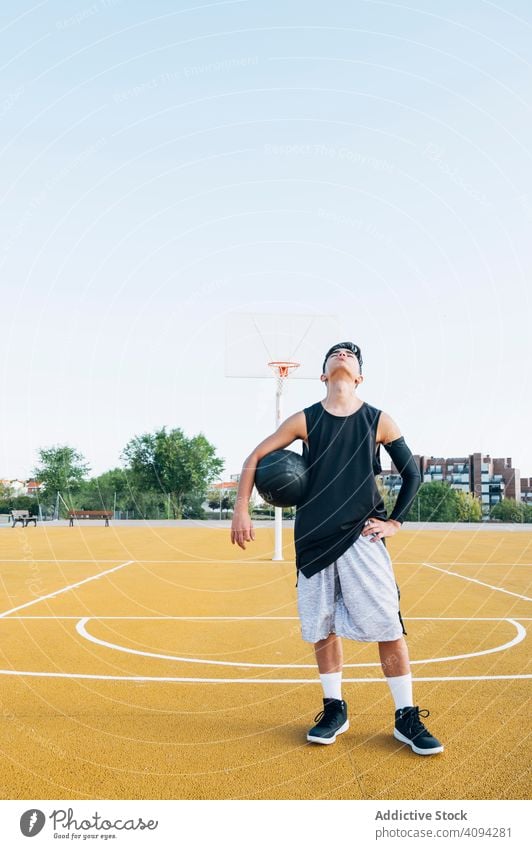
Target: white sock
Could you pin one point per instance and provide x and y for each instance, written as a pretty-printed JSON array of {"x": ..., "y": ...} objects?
[
  {"x": 332, "y": 685},
  {"x": 401, "y": 690}
]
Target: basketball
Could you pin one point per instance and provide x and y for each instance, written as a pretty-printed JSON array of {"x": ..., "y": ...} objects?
[{"x": 281, "y": 478}]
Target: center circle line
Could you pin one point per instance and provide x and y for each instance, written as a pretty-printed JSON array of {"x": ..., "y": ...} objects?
[{"x": 85, "y": 634}]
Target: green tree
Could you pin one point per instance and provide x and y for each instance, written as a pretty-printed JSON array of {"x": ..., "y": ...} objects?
[
  {"x": 508, "y": 510},
  {"x": 527, "y": 512},
  {"x": 147, "y": 505},
  {"x": 61, "y": 469},
  {"x": 20, "y": 502},
  {"x": 168, "y": 462},
  {"x": 224, "y": 499},
  {"x": 213, "y": 498},
  {"x": 99, "y": 492},
  {"x": 6, "y": 491},
  {"x": 469, "y": 507},
  {"x": 435, "y": 502},
  {"x": 388, "y": 497},
  {"x": 193, "y": 506},
  {"x": 220, "y": 502}
]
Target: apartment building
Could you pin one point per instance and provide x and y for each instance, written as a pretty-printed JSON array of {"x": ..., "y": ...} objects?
[
  {"x": 490, "y": 479},
  {"x": 526, "y": 490}
]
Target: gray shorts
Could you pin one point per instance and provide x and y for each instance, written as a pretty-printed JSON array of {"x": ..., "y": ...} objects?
[{"x": 355, "y": 597}]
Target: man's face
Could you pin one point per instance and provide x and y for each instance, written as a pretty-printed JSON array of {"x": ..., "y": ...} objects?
[{"x": 342, "y": 360}]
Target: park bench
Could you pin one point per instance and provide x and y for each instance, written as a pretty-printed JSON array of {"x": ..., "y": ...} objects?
[
  {"x": 89, "y": 514},
  {"x": 22, "y": 516}
]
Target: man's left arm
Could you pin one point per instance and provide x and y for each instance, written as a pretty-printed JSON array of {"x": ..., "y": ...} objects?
[{"x": 389, "y": 435}]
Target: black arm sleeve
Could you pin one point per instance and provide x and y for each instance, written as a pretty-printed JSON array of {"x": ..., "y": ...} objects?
[{"x": 407, "y": 468}]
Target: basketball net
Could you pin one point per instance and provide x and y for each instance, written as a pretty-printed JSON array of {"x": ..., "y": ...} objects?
[{"x": 282, "y": 369}]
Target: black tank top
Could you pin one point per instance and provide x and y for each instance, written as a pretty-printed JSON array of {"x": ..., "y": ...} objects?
[{"x": 342, "y": 491}]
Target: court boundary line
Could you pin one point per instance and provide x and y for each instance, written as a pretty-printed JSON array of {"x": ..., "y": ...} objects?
[
  {"x": 476, "y": 581},
  {"x": 280, "y": 618},
  {"x": 463, "y": 563},
  {"x": 162, "y": 679},
  {"x": 286, "y": 561},
  {"x": 65, "y": 589},
  {"x": 56, "y": 560}
]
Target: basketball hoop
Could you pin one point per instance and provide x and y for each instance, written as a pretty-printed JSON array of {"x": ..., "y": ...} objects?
[{"x": 282, "y": 368}]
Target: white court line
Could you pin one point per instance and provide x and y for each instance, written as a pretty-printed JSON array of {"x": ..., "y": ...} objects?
[
  {"x": 82, "y": 631},
  {"x": 65, "y": 589},
  {"x": 476, "y": 581},
  {"x": 287, "y": 561},
  {"x": 462, "y": 563},
  {"x": 129, "y": 678},
  {"x": 54, "y": 560},
  {"x": 99, "y": 560},
  {"x": 188, "y": 618},
  {"x": 274, "y": 618}
]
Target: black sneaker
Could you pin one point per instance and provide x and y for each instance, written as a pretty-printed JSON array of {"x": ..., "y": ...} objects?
[
  {"x": 410, "y": 730},
  {"x": 331, "y": 721}
]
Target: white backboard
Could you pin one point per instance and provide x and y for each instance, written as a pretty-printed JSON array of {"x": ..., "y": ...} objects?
[{"x": 255, "y": 339}]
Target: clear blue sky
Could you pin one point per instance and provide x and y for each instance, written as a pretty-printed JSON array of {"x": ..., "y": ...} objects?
[{"x": 165, "y": 163}]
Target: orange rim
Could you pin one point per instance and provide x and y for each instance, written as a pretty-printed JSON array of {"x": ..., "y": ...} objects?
[{"x": 283, "y": 367}]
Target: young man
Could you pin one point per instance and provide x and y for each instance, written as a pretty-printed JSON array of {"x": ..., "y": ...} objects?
[{"x": 346, "y": 586}]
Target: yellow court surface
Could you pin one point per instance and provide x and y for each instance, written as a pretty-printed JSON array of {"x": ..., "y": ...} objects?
[{"x": 164, "y": 663}]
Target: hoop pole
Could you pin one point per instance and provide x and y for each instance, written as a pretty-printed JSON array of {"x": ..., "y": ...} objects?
[
  {"x": 278, "y": 550},
  {"x": 282, "y": 370}
]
